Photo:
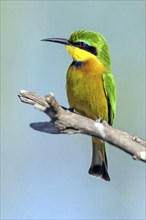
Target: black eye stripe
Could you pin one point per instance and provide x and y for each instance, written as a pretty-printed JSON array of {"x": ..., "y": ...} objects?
[
  {"x": 86, "y": 47},
  {"x": 91, "y": 49}
]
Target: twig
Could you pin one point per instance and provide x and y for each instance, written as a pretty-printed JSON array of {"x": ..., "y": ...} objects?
[{"x": 66, "y": 122}]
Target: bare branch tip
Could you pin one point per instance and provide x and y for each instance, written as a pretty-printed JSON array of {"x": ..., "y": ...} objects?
[
  {"x": 142, "y": 155},
  {"x": 51, "y": 93},
  {"x": 23, "y": 91}
]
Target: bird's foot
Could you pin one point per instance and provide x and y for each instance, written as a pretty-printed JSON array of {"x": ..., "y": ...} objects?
[
  {"x": 69, "y": 109},
  {"x": 99, "y": 120}
]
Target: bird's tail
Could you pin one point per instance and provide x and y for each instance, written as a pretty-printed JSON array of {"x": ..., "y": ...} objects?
[{"x": 99, "y": 164}]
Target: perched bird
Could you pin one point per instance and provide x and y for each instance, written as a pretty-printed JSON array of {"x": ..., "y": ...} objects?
[{"x": 90, "y": 87}]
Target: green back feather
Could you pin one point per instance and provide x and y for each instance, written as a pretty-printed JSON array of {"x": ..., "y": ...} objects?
[{"x": 110, "y": 91}]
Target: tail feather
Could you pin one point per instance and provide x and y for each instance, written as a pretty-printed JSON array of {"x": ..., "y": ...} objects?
[{"x": 99, "y": 166}]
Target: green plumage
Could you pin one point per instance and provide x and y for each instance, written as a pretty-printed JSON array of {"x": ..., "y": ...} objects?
[{"x": 110, "y": 91}]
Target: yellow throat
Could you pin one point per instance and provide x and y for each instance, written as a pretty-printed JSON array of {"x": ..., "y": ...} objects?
[{"x": 85, "y": 56}]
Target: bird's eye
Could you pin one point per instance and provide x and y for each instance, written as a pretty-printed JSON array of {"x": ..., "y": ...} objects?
[{"x": 82, "y": 44}]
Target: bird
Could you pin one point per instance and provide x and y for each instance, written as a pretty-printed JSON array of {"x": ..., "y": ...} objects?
[{"x": 90, "y": 87}]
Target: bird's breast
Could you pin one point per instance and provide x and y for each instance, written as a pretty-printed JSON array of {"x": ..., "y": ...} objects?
[{"x": 85, "y": 90}]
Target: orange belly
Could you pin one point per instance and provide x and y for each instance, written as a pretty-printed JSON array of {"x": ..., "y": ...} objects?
[{"x": 85, "y": 91}]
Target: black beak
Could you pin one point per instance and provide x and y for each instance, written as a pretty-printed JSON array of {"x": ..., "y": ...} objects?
[{"x": 58, "y": 40}]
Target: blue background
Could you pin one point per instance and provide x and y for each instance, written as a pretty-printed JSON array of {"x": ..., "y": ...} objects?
[{"x": 45, "y": 176}]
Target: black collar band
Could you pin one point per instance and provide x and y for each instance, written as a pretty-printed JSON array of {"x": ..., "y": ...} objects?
[{"x": 77, "y": 64}]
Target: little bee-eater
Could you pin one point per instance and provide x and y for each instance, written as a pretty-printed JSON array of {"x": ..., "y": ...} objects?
[{"x": 90, "y": 87}]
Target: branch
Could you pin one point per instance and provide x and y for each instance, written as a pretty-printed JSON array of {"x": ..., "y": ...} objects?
[{"x": 67, "y": 122}]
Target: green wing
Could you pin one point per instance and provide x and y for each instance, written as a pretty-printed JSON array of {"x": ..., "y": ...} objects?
[{"x": 110, "y": 91}]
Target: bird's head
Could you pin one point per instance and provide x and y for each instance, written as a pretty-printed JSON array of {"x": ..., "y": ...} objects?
[{"x": 84, "y": 45}]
